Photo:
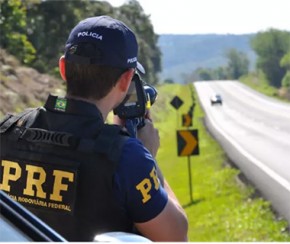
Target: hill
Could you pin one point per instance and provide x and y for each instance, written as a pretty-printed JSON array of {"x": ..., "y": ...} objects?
[
  {"x": 22, "y": 86},
  {"x": 182, "y": 54}
]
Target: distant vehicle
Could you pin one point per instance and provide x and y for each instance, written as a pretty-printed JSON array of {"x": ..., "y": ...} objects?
[{"x": 216, "y": 99}]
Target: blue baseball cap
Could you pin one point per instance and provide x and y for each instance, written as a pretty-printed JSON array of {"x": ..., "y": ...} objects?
[{"x": 105, "y": 41}]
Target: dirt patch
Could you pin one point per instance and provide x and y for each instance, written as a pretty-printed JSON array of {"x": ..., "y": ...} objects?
[{"x": 22, "y": 87}]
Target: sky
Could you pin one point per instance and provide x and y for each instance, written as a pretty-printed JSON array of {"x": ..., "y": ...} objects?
[{"x": 215, "y": 16}]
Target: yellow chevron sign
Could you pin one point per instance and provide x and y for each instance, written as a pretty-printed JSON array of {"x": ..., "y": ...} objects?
[
  {"x": 187, "y": 142},
  {"x": 186, "y": 120}
]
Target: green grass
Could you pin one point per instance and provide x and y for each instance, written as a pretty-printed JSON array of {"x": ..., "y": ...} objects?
[
  {"x": 222, "y": 209},
  {"x": 258, "y": 82}
]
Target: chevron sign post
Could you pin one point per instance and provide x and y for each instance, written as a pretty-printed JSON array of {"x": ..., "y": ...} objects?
[
  {"x": 176, "y": 102},
  {"x": 187, "y": 120},
  {"x": 187, "y": 142},
  {"x": 187, "y": 145}
]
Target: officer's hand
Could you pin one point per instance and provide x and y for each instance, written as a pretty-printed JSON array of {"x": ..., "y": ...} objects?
[
  {"x": 149, "y": 136},
  {"x": 118, "y": 121}
]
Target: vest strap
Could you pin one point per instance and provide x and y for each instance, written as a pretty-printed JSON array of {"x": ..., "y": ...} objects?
[
  {"x": 108, "y": 141},
  {"x": 10, "y": 120},
  {"x": 36, "y": 135}
]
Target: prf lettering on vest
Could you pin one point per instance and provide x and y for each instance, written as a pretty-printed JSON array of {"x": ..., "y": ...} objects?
[
  {"x": 145, "y": 185},
  {"x": 36, "y": 177}
]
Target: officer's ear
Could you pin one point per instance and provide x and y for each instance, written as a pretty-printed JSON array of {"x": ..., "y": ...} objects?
[
  {"x": 61, "y": 64},
  {"x": 125, "y": 80}
]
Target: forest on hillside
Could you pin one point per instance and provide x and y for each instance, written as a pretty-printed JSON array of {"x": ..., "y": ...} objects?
[
  {"x": 182, "y": 54},
  {"x": 186, "y": 58}
]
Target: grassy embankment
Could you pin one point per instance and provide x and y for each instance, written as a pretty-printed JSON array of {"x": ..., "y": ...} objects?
[
  {"x": 258, "y": 82},
  {"x": 222, "y": 209}
]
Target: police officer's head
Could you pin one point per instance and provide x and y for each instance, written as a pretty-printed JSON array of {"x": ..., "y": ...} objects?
[{"x": 98, "y": 51}]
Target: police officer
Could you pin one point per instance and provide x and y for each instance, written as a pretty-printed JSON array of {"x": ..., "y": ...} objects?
[{"x": 80, "y": 175}]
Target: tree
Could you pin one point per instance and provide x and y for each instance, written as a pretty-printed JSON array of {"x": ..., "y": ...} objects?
[
  {"x": 168, "y": 81},
  {"x": 285, "y": 62},
  {"x": 238, "y": 64},
  {"x": 133, "y": 15},
  {"x": 203, "y": 74},
  {"x": 13, "y": 25},
  {"x": 36, "y": 30},
  {"x": 221, "y": 73},
  {"x": 270, "y": 46},
  {"x": 50, "y": 23}
]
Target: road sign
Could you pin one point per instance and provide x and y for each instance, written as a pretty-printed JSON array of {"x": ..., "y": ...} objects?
[
  {"x": 187, "y": 120},
  {"x": 187, "y": 142},
  {"x": 176, "y": 102}
]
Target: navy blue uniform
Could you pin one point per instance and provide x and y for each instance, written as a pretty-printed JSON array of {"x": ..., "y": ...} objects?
[{"x": 137, "y": 183}]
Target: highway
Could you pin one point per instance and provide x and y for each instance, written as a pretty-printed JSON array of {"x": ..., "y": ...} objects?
[{"x": 254, "y": 131}]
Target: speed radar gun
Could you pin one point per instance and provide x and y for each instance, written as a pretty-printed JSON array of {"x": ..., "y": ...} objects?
[{"x": 134, "y": 107}]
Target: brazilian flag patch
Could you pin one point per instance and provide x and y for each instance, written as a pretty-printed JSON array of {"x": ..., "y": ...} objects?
[{"x": 60, "y": 104}]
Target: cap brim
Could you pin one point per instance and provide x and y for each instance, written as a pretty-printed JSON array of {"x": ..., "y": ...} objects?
[{"x": 140, "y": 68}]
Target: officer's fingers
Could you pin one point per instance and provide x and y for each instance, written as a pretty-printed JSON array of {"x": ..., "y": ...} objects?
[
  {"x": 148, "y": 115},
  {"x": 118, "y": 121},
  {"x": 153, "y": 131},
  {"x": 149, "y": 124}
]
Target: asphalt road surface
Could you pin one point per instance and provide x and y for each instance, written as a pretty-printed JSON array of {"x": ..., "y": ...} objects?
[{"x": 254, "y": 131}]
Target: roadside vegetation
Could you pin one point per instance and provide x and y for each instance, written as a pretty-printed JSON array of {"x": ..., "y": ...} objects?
[
  {"x": 258, "y": 82},
  {"x": 223, "y": 209}
]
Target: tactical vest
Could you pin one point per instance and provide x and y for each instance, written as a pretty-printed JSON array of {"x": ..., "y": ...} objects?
[{"x": 65, "y": 180}]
